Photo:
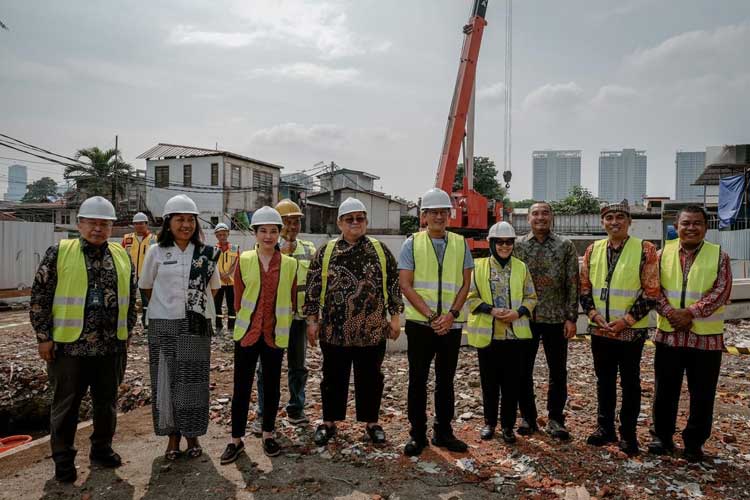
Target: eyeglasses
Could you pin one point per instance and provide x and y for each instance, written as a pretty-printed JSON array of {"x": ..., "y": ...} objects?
[
  {"x": 437, "y": 212},
  {"x": 507, "y": 243},
  {"x": 96, "y": 223},
  {"x": 351, "y": 219}
]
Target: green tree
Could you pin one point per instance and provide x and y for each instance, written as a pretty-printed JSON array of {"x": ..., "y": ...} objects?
[
  {"x": 39, "y": 190},
  {"x": 526, "y": 203},
  {"x": 409, "y": 224},
  {"x": 579, "y": 201},
  {"x": 104, "y": 175},
  {"x": 485, "y": 178}
]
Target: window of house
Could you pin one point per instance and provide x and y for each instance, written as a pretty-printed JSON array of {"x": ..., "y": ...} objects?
[
  {"x": 263, "y": 188},
  {"x": 214, "y": 221},
  {"x": 214, "y": 174},
  {"x": 187, "y": 175},
  {"x": 236, "y": 177},
  {"x": 161, "y": 176}
]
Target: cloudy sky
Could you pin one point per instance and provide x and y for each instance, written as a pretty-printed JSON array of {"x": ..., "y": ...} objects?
[{"x": 368, "y": 83}]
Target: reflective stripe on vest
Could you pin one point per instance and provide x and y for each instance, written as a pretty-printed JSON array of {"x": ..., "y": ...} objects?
[
  {"x": 625, "y": 286},
  {"x": 226, "y": 260},
  {"x": 433, "y": 281},
  {"x": 137, "y": 250},
  {"x": 69, "y": 304},
  {"x": 330, "y": 246},
  {"x": 303, "y": 254},
  {"x": 250, "y": 272},
  {"x": 701, "y": 277},
  {"x": 481, "y": 327}
]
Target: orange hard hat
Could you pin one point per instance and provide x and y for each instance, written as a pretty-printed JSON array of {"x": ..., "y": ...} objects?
[{"x": 287, "y": 207}]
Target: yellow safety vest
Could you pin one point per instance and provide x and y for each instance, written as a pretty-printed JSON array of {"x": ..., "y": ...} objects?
[
  {"x": 625, "y": 285},
  {"x": 437, "y": 282},
  {"x": 72, "y": 285},
  {"x": 327, "y": 260},
  {"x": 137, "y": 249},
  {"x": 683, "y": 293},
  {"x": 481, "y": 328},
  {"x": 250, "y": 272},
  {"x": 303, "y": 254},
  {"x": 226, "y": 260}
]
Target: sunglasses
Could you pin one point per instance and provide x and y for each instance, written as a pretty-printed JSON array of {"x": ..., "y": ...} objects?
[
  {"x": 351, "y": 219},
  {"x": 507, "y": 243}
]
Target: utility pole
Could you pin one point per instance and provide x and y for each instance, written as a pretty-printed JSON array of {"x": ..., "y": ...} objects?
[
  {"x": 117, "y": 154},
  {"x": 333, "y": 167}
]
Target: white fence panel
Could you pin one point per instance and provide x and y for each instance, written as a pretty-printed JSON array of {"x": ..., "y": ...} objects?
[{"x": 22, "y": 246}]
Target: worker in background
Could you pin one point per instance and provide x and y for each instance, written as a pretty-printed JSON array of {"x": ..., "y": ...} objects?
[
  {"x": 619, "y": 286},
  {"x": 137, "y": 244},
  {"x": 352, "y": 287},
  {"x": 302, "y": 251},
  {"x": 696, "y": 282},
  {"x": 265, "y": 285},
  {"x": 83, "y": 310},
  {"x": 228, "y": 259},
  {"x": 553, "y": 263},
  {"x": 501, "y": 300},
  {"x": 435, "y": 274}
]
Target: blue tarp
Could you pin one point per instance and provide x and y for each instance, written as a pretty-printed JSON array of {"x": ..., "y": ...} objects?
[{"x": 731, "y": 190}]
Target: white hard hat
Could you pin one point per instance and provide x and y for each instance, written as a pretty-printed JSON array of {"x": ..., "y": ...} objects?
[
  {"x": 266, "y": 215},
  {"x": 221, "y": 227},
  {"x": 436, "y": 198},
  {"x": 97, "y": 207},
  {"x": 501, "y": 230},
  {"x": 140, "y": 217},
  {"x": 351, "y": 205},
  {"x": 180, "y": 204}
]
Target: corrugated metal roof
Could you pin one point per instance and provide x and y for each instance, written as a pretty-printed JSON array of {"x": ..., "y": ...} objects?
[{"x": 163, "y": 150}]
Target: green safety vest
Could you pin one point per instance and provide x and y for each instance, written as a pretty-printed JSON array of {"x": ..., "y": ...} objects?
[
  {"x": 682, "y": 293},
  {"x": 250, "y": 272},
  {"x": 303, "y": 253},
  {"x": 72, "y": 284},
  {"x": 481, "y": 327},
  {"x": 327, "y": 260},
  {"x": 437, "y": 282},
  {"x": 625, "y": 285}
]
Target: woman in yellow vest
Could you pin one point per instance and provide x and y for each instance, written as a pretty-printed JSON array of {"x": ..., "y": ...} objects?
[
  {"x": 265, "y": 287},
  {"x": 178, "y": 276},
  {"x": 500, "y": 302}
]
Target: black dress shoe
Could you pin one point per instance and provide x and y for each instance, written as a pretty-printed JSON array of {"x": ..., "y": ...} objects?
[
  {"x": 449, "y": 442},
  {"x": 105, "y": 458},
  {"x": 658, "y": 446},
  {"x": 601, "y": 437},
  {"x": 232, "y": 453},
  {"x": 66, "y": 473},
  {"x": 323, "y": 434},
  {"x": 375, "y": 433},
  {"x": 693, "y": 454},
  {"x": 557, "y": 430},
  {"x": 415, "y": 447},
  {"x": 509, "y": 436},
  {"x": 271, "y": 447},
  {"x": 527, "y": 429},
  {"x": 487, "y": 432},
  {"x": 629, "y": 446}
]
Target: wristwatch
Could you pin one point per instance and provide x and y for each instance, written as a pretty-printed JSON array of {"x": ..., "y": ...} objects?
[{"x": 455, "y": 313}]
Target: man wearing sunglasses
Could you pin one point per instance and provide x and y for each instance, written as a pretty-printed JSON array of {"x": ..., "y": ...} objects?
[
  {"x": 619, "y": 286},
  {"x": 435, "y": 274},
  {"x": 352, "y": 288}
]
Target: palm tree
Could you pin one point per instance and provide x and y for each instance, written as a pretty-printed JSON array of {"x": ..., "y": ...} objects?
[{"x": 104, "y": 175}]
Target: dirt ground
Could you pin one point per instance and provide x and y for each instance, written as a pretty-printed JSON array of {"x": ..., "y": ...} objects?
[{"x": 535, "y": 467}]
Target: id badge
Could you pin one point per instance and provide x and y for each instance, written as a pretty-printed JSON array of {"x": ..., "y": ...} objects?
[
  {"x": 95, "y": 298},
  {"x": 604, "y": 294}
]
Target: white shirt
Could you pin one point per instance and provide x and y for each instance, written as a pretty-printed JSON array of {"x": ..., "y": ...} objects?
[{"x": 166, "y": 271}]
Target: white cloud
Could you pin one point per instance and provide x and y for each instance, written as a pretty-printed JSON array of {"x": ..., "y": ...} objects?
[
  {"x": 318, "y": 74},
  {"x": 493, "y": 93},
  {"x": 613, "y": 94},
  {"x": 554, "y": 97},
  {"x": 323, "y": 26},
  {"x": 321, "y": 137}
]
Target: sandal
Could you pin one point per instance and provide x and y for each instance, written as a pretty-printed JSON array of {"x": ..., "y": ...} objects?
[
  {"x": 172, "y": 455},
  {"x": 194, "y": 452}
]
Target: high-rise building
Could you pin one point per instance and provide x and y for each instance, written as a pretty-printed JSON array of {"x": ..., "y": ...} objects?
[
  {"x": 689, "y": 166},
  {"x": 555, "y": 173},
  {"x": 622, "y": 175},
  {"x": 17, "y": 179}
]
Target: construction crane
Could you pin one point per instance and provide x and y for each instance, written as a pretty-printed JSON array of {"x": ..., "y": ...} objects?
[{"x": 473, "y": 213}]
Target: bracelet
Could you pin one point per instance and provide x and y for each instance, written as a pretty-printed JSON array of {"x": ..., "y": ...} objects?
[{"x": 433, "y": 317}]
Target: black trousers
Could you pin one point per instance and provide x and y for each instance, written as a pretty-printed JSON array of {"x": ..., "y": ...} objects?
[
  {"x": 368, "y": 380},
  {"x": 70, "y": 377},
  {"x": 555, "y": 344},
  {"x": 424, "y": 345},
  {"x": 611, "y": 356},
  {"x": 245, "y": 361},
  {"x": 228, "y": 292},
  {"x": 702, "y": 369},
  {"x": 500, "y": 371}
]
